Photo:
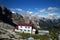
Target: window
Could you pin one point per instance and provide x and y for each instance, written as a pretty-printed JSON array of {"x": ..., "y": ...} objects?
[
  {"x": 28, "y": 30},
  {"x": 28, "y": 26},
  {"x": 24, "y": 30},
  {"x": 20, "y": 29},
  {"x": 25, "y": 26}
]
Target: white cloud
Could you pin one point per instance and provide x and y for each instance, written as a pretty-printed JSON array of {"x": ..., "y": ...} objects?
[
  {"x": 43, "y": 10},
  {"x": 52, "y": 16},
  {"x": 13, "y": 12},
  {"x": 30, "y": 12},
  {"x": 16, "y": 9},
  {"x": 53, "y": 12},
  {"x": 52, "y": 9}
]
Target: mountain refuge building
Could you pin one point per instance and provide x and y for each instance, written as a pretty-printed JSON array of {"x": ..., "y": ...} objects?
[{"x": 26, "y": 28}]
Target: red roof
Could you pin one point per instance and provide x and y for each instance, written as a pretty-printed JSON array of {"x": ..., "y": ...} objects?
[{"x": 24, "y": 24}]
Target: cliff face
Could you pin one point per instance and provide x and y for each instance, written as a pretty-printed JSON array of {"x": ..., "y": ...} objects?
[
  {"x": 6, "y": 16},
  {"x": 8, "y": 21}
]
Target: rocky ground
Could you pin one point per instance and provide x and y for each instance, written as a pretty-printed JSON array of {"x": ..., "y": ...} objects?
[{"x": 8, "y": 34}]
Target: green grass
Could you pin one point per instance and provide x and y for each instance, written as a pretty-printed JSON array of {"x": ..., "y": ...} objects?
[
  {"x": 35, "y": 36},
  {"x": 51, "y": 35}
]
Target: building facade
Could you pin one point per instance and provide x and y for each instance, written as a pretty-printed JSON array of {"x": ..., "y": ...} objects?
[{"x": 26, "y": 28}]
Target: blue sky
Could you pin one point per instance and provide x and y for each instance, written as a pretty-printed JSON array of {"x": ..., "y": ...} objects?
[{"x": 42, "y": 8}]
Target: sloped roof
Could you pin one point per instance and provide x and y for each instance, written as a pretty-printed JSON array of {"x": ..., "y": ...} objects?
[{"x": 24, "y": 24}]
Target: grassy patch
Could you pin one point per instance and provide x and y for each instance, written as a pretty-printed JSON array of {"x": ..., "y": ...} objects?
[{"x": 35, "y": 36}]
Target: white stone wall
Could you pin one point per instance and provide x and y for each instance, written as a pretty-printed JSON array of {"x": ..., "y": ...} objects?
[
  {"x": 33, "y": 31},
  {"x": 26, "y": 29}
]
